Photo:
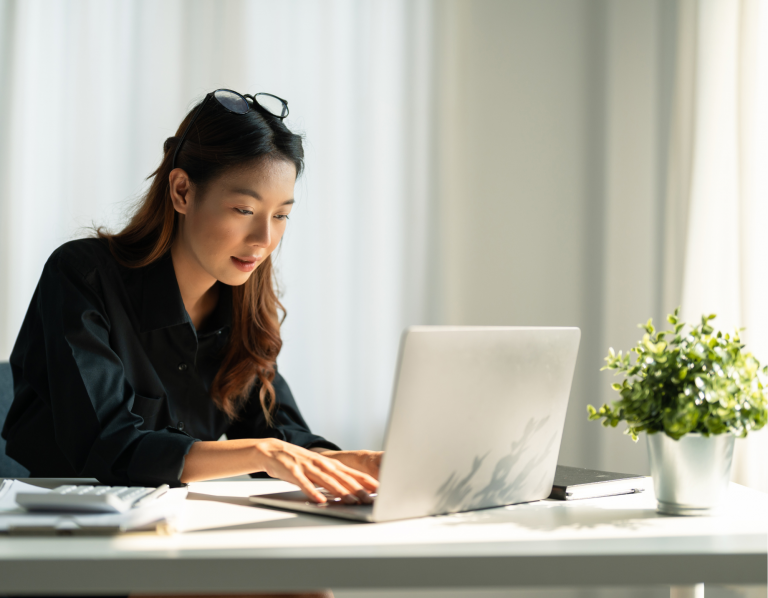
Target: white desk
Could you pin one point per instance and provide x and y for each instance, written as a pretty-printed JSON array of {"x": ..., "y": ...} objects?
[{"x": 225, "y": 545}]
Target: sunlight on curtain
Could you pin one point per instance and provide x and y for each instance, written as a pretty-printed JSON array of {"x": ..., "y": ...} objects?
[
  {"x": 726, "y": 269},
  {"x": 92, "y": 89},
  {"x": 351, "y": 262}
]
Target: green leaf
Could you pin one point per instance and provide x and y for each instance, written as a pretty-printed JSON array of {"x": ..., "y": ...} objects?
[
  {"x": 649, "y": 326},
  {"x": 701, "y": 381}
]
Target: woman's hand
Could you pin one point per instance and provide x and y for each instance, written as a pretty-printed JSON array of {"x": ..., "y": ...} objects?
[
  {"x": 349, "y": 475},
  {"x": 307, "y": 468},
  {"x": 368, "y": 462}
]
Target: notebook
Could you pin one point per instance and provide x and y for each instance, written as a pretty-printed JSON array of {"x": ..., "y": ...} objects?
[{"x": 573, "y": 483}]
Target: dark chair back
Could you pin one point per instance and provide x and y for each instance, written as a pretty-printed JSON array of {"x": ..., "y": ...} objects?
[{"x": 8, "y": 467}]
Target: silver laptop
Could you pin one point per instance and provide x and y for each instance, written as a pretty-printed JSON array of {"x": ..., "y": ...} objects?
[{"x": 476, "y": 420}]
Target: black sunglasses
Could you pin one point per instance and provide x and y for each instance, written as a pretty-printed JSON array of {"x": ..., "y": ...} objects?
[{"x": 238, "y": 104}]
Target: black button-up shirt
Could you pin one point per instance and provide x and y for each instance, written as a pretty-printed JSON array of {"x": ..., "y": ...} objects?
[{"x": 112, "y": 380}]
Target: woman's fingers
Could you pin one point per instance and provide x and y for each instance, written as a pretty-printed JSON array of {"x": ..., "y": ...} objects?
[
  {"x": 335, "y": 485},
  {"x": 306, "y": 486},
  {"x": 368, "y": 482},
  {"x": 354, "y": 479},
  {"x": 306, "y": 476},
  {"x": 307, "y": 468},
  {"x": 348, "y": 479}
]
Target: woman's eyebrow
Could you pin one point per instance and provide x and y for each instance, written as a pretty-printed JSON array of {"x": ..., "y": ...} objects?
[{"x": 255, "y": 195}]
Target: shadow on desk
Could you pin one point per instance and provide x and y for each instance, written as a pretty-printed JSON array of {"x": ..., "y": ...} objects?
[
  {"x": 549, "y": 516},
  {"x": 289, "y": 520}
]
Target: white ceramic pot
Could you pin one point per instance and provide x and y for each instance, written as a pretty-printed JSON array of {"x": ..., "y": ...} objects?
[{"x": 690, "y": 475}]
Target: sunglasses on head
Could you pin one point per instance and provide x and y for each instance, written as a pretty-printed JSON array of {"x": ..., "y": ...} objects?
[{"x": 238, "y": 104}]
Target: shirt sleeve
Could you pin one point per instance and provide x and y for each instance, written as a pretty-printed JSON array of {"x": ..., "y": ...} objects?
[
  {"x": 288, "y": 423},
  {"x": 71, "y": 376}
]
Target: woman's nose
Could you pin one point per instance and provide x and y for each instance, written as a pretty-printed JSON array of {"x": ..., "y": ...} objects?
[{"x": 261, "y": 234}]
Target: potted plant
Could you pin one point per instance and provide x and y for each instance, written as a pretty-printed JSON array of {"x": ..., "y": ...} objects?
[{"x": 692, "y": 393}]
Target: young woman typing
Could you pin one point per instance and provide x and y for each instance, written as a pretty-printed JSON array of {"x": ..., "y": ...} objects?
[{"x": 141, "y": 348}]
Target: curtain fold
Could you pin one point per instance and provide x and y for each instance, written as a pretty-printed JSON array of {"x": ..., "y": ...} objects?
[{"x": 680, "y": 160}]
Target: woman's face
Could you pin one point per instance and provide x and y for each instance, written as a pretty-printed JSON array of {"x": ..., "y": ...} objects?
[{"x": 234, "y": 222}]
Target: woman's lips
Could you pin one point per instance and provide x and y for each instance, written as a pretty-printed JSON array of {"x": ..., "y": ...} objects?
[{"x": 244, "y": 264}]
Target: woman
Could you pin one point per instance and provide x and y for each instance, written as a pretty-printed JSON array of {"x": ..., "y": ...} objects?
[{"x": 141, "y": 348}]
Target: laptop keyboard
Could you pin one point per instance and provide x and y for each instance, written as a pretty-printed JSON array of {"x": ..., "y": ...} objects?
[{"x": 335, "y": 499}]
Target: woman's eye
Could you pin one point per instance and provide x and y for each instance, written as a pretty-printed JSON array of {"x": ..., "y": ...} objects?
[
  {"x": 244, "y": 212},
  {"x": 282, "y": 216}
]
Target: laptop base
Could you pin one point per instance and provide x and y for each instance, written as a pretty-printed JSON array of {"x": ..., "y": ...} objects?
[{"x": 298, "y": 501}]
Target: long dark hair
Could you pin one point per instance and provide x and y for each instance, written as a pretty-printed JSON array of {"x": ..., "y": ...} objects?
[{"x": 217, "y": 141}]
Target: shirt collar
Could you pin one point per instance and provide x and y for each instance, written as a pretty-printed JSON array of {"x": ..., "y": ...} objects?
[
  {"x": 161, "y": 303},
  {"x": 221, "y": 317},
  {"x": 163, "y": 307}
]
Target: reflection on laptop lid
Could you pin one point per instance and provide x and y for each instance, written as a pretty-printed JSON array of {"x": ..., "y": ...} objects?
[{"x": 476, "y": 421}]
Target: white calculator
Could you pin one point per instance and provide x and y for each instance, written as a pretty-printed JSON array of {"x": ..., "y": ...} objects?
[{"x": 91, "y": 499}]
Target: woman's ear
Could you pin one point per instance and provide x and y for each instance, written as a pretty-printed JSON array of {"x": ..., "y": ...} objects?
[{"x": 180, "y": 188}]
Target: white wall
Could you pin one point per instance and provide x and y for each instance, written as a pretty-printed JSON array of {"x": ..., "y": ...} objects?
[{"x": 552, "y": 137}]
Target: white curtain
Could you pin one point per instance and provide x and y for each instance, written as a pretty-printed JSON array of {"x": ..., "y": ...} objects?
[
  {"x": 726, "y": 171},
  {"x": 90, "y": 89}
]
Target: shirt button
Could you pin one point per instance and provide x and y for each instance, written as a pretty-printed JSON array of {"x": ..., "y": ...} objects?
[
  {"x": 182, "y": 367},
  {"x": 180, "y": 426}
]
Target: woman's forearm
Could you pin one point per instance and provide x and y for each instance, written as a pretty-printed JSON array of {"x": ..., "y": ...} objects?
[{"x": 221, "y": 459}]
